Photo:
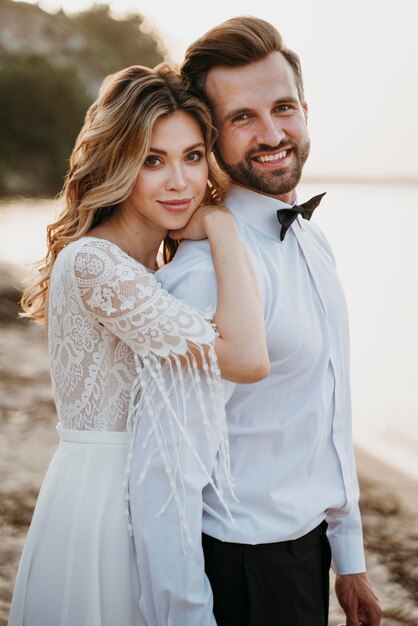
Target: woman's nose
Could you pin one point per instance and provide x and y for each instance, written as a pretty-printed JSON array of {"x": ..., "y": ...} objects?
[{"x": 177, "y": 179}]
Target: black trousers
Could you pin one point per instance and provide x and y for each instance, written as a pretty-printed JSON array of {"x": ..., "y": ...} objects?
[{"x": 274, "y": 584}]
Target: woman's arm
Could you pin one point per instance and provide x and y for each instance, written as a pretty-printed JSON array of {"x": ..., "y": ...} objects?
[
  {"x": 175, "y": 589},
  {"x": 241, "y": 347}
]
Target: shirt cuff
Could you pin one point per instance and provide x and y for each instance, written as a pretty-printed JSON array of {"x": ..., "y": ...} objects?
[{"x": 347, "y": 554}]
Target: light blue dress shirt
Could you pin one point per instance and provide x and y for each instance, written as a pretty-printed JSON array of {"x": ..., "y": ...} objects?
[{"x": 290, "y": 434}]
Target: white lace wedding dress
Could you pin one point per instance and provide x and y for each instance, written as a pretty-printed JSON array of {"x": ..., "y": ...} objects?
[{"x": 119, "y": 345}]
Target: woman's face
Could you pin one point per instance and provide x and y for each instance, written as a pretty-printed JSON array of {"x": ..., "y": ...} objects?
[{"x": 172, "y": 182}]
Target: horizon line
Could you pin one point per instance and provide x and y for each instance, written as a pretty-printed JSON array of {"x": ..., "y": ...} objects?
[{"x": 359, "y": 180}]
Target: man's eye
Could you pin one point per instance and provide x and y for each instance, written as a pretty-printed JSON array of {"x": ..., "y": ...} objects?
[
  {"x": 243, "y": 117},
  {"x": 152, "y": 161},
  {"x": 283, "y": 107},
  {"x": 194, "y": 156}
]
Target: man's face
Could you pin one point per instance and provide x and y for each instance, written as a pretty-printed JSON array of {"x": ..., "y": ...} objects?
[{"x": 263, "y": 140}]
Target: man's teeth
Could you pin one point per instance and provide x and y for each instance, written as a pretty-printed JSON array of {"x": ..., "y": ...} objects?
[{"x": 272, "y": 157}]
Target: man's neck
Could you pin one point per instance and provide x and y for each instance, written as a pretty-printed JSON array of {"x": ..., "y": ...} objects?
[{"x": 286, "y": 198}]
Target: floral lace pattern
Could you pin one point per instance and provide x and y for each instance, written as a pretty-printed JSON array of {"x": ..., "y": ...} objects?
[{"x": 105, "y": 308}]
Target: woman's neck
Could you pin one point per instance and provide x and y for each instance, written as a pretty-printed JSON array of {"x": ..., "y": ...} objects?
[{"x": 141, "y": 241}]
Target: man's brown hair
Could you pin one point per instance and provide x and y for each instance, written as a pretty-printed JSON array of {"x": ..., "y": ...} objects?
[{"x": 235, "y": 43}]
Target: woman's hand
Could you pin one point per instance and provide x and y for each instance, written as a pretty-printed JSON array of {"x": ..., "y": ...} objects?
[{"x": 203, "y": 218}]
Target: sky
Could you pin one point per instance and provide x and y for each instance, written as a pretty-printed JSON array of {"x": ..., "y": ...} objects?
[{"x": 360, "y": 64}]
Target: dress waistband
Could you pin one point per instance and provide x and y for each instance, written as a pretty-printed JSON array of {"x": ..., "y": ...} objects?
[{"x": 94, "y": 436}]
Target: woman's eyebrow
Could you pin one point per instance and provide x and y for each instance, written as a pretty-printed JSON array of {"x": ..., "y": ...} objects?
[{"x": 200, "y": 144}]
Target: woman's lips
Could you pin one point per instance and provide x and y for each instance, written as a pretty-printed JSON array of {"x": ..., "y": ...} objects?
[{"x": 176, "y": 206}]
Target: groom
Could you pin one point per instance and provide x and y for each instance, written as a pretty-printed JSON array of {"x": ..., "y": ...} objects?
[{"x": 290, "y": 434}]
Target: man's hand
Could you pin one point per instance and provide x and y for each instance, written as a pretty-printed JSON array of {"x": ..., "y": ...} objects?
[{"x": 357, "y": 598}]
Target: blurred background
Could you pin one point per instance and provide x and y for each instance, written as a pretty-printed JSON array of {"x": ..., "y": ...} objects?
[{"x": 360, "y": 62}]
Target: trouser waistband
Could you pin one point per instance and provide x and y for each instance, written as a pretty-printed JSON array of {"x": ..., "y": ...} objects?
[{"x": 301, "y": 542}]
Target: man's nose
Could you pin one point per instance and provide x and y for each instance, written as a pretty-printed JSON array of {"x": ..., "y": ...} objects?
[
  {"x": 270, "y": 132},
  {"x": 177, "y": 178}
]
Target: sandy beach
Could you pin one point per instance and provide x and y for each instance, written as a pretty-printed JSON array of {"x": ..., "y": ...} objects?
[{"x": 28, "y": 439}]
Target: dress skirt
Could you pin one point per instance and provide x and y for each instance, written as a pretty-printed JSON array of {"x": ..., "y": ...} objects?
[{"x": 78, "y": 566}]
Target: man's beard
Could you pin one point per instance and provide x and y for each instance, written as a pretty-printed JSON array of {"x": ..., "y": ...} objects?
[{"x": 273, "y": 182}]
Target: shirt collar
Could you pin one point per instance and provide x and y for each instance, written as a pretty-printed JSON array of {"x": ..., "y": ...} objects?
[{"x": 257, "y": 209}]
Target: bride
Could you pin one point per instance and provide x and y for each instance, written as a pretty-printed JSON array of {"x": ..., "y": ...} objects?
[{"x": 141, "y": 176}]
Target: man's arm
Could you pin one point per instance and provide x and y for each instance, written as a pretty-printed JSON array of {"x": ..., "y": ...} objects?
[
  {"x": 352, "y": 587},
  {"x": 346, "y": 539}
]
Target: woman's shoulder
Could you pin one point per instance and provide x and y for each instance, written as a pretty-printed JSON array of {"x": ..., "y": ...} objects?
[
  {"x": 91, "y": 261},
  {"x": 92, "y": 245},
  {"x": 98, "y": 255}
]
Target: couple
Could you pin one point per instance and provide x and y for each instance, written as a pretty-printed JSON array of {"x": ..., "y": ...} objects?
[{"x": 218, "y": 394}]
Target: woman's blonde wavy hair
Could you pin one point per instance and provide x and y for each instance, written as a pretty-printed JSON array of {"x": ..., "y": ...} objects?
[{"x": 110, "y": 148}]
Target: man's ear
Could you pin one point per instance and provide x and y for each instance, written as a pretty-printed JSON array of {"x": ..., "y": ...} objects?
[{"x": 305, "y": 109}]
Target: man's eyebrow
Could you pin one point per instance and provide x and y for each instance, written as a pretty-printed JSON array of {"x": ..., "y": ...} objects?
[
  {"x": 200, "y": 144},
  {"x": 288, "y": 100},
  {"x": 235, "y": 113},
  {"x": 241, "y": 111}
]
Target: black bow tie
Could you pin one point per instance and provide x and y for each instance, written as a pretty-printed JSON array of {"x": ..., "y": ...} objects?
[{"x": 286, "y": 217}]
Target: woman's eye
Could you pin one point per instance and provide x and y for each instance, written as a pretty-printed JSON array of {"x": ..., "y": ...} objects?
[
  {"x": 152, "y": 161},
  {"x": 194, "y": 156}
]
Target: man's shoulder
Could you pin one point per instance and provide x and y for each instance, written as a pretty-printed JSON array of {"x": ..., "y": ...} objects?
[
  {"x": 196, "y": 250},
  {"x": 191, "y": 276},
  {"x": 191, "y": 256},
  {"x": 319, "y": 237}
]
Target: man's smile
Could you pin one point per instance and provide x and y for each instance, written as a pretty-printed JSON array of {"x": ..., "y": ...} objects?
[{"x": 267, "y": 158}]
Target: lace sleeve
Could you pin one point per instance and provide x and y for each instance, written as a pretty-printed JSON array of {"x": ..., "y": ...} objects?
[
  {"x": 160, "y": 329},
  {"x": 127, "y": 299}
]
